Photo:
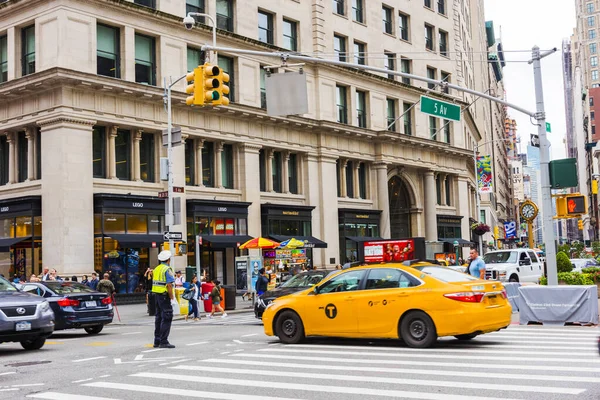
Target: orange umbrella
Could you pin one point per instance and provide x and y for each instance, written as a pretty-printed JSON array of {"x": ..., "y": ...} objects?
[{"x": 259, "y": 243}]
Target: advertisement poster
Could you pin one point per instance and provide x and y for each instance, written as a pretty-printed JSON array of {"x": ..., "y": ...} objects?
[
  {"x": 484, "y": 174},
  {"x": 510, "y": 229},
  {"x": 255, "y": 265},
  {"x": 446, "y": 258},
  {"x": 389, "y": 251},
  {"x": 241, "y": 270}
]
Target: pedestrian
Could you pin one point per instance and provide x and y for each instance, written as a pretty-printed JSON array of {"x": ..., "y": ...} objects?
[
  {"x": 74, "y": 278},
  {"x": 150, "y": 302},
  {"x": 46, "y": 275},
  {"x": 93, "y": 283},
  {"x": 84, "y": 280},
  {"x": 215, "y": 296},
  {"x": 179, "y": 280},
  {"x": 262, "y": 283},
  {"x": 477, "y": 265},
  {"x": 193, "y": 289},
  {"x": 33, "y": 278},
  {"x": 162, "y": 287},
  {"x": 106, "y": 286}
]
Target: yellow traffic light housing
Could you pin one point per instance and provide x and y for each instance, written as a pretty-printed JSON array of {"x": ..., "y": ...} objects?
[
  {"x": 194, "y": 78},
  {"x": 580, "y": 224},
  {"x": 594, "y": 186},
  {"x": 223, "y": 89},
  {"x": 211, "y": 83}
]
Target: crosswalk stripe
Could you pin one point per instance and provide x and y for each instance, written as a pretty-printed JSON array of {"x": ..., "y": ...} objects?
[
  {"x": 398, "y": 381},
  {"x": 549, "y": 335},
  {"x": 399, "y": 394},
  {"x": 437, "y": 372},
  {"x": 546, "y": 344},
  {"x": 420, "y": 363},
  {"x": 572, "y": 330},
  {"x": 66, "y": 396},
  {"x": 485, "y": 339},
  {"x": 436, "y": 356},
  {"x": 174, "y": 391}
]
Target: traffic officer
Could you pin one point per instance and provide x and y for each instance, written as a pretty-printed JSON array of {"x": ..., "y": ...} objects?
[{"x": 162, "y": 287}]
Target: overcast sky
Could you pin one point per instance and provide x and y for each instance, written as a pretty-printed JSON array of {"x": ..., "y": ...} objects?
[{"x": 521, "y": 25}]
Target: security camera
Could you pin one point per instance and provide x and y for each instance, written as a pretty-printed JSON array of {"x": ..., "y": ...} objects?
[{"x": 189, "y": 22}]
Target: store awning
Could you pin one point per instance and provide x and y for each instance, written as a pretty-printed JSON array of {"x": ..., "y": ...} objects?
[
  {"x": 135, "y": 241},
  {"x": 5, "y": 244},
  {"x": 224, "y": 241},
  {"x": 461, "y": 242},
  {"x": 360, "y": 239},
  {"x": 309, "y": 241}
]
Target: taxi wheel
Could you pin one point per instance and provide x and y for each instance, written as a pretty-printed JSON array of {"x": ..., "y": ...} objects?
[
  {"x": 417, "y": 330},
  {"x": 289, "y": 328}
]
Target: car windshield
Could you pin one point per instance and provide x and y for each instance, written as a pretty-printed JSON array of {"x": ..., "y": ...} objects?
[
  {"x": 500, "y": 257},
  {"x": 5, "y": 286},
  {"x": 445, "y": 274},
  {"x": 304, "y": 280},
  {"x": 68, "y": 287}
]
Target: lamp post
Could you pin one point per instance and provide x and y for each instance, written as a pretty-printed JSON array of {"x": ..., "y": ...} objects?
[{"x": 456, "y": 251}]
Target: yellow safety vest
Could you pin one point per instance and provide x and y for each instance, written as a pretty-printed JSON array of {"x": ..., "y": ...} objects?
[{"x": 159, "y": 279}]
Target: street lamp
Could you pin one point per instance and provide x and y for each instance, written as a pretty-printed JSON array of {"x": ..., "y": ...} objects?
[{"x": 456, "y": 251}]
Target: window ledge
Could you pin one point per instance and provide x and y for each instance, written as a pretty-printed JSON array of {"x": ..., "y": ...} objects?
[
  {"x": 340, "y": 15},
  {"x": 348, "y": 202},
  {"x": 360, "y": 23},
  {"x": 446, "y": 208},
  {"x": 443, "y": 15},
  {"x": 299, "y": 199},
  {"x": 389, "y": 34},
  {"x": 19, "y": 187},
  {"x": 429, "y": 8},
  {"x": 153, "y": 187}
]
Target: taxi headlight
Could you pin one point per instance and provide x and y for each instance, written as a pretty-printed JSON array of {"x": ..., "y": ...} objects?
[
  {"x": 44, "y": 306},
  {"x": 271, "y": 304}
]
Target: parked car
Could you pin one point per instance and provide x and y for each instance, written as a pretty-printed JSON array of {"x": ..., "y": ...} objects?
[
  {"x": 24, "y": 317},
  {"x": 580, "y": 263},
  {"x": 515, "y": 265},
  {"x": 295, "y": 284},
  {"x": 75, "y": 305}
]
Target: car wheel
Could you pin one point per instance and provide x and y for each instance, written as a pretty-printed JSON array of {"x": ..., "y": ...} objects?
[
  {"x": 513, "y": 278},
  {"x": 418, "y": 330},
  {"x": 466, "y": 337},
  {"x": 94, "y": 330},
  {"x": 289, "y": 328},
  {"x": 33, "y": 344}
]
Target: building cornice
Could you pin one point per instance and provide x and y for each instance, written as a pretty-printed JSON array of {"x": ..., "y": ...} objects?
[{"x": 65, "y": 119}]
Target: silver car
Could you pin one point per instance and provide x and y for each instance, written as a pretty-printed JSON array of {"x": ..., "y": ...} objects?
[{"x": 24, "y": 317}]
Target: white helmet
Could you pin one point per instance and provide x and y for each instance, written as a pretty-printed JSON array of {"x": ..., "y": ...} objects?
[{"x": 164, "y": 255}]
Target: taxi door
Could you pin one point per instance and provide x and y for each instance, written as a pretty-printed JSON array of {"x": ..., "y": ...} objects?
[
  {"x": 332, "y": 310},
  {"x": 387, "y": 295}
]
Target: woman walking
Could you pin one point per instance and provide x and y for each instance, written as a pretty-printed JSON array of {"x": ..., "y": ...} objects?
[
  {"x": 215, "y": 295},
  {"x": 194, "y": 300}
]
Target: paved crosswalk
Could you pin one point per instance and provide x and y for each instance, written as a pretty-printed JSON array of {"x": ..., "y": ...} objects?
[
  {"x": 231, "y": 319},
  {"x": 534, "y": 363}
]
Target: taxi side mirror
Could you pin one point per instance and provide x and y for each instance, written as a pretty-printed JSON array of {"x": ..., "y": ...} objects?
[{"x": 316, "y": 290}]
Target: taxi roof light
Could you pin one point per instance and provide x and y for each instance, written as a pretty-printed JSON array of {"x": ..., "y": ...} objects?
[{"x": 466, "y": 297}]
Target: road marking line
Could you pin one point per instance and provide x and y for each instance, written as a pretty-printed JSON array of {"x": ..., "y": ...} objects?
[
  {"x": 83, "y": 380},
  {"x": 104, "y": 376},
  {"x": 65, "y": 396},
  {"x": 398, "y": 381},
  {"x": 9, "y": 390},
  {"x": 195, "y": 344},
  {"x": 99, "y": 344},
  {"x": 540, "y": 334},
  {"x": 8, "y": 373},
  {"x": 172, "y": 391},
  {"x": 252, "y": 334},
  {"x": 54, "y": 342},
  {"x": 399, "y": 394},
  {"x": 420, "y": 372},
  {"x": 499, "y": 342},
  {"x": 89, "y": 359},
  {"x": 225, "y": 352},
  {"x": 433, "y": 355},
  {"x": 28, "y": 384},
  {"x": 175, "y": 362},
  {"x": 130, "y": 333},
  {"x": 151, "y": 351},
  {"x": 422, "y": 363},
  {"x": 572, "y": 329}
]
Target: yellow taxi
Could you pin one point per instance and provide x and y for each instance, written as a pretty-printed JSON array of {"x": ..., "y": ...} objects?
[{"x": 416, "y": 303}]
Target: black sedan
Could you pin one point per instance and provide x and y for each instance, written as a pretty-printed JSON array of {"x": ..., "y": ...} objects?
[
  {"x": 75, "y": 305},
  {"x": 298, "y": 282}
]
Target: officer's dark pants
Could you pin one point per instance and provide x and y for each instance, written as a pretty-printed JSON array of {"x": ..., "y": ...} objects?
[{"x": 163, "y": 319}]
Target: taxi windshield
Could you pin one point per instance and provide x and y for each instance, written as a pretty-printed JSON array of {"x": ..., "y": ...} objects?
[
  {"x": 445, "y": 274},
  {"x": 500, "y": 257},
  {"x": 303, "y": 280}
]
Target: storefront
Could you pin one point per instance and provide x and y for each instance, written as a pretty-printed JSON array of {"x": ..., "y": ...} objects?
[
  {"x": 222, "y": 227},
  {"x": 128, "y": 232},
  {"x": 280, "y": 223},
  {"x": 356, "y": 227},
  {"x": 21, "y": 236},
  {"x": 450, "y": 231}
]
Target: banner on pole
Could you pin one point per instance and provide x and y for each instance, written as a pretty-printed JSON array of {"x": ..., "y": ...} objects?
[
  {"x": 510, "y": 230},
  {"x": 484, "y": 174}
]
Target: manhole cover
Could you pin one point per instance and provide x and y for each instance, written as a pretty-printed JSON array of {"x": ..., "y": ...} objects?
[{"x": 27, "y": 364}]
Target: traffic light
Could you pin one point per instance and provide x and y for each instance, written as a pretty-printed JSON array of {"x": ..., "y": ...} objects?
[
  {"x": 576, "y": 204},
  {"x": 594, "y": 186},
  {"x": 223, "y": 89},
  {"x": 580, "y": 224},
  {"x": 211, "y": 84},
  {"x": 496, "y": 232},
  {"x": 194, "y": 78}
]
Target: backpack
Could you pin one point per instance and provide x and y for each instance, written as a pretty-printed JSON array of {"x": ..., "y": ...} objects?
[{"x": 216, "y": 292}]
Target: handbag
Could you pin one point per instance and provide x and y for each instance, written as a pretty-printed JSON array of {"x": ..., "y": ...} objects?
[{"x": 187, "y": 295}]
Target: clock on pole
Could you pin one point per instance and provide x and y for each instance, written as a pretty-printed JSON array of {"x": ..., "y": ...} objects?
[{"x": 529, "y": 210}]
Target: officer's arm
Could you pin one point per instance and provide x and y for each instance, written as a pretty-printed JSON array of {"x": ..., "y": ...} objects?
[{"x": 170, "y": 291}]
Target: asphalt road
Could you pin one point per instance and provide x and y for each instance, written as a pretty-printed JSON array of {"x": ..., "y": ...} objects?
[{"x": 231, "y": 358}]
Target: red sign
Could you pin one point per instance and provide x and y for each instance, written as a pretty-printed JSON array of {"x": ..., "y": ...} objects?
[
  {"x": 389, "y": 251},
  {"x": 153, "y": 245},
  {"x": 229, "y": 227},
  {"x": 163, "y": 195},
  {"x": 177, "y": 189},
  {"x": 219, "y": 226}
]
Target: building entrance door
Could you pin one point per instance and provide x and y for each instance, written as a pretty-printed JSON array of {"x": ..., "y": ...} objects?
[{"x": 399, "y": 208}]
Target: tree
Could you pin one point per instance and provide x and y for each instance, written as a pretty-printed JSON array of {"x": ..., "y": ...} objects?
[{"x": 563, "y": 264}]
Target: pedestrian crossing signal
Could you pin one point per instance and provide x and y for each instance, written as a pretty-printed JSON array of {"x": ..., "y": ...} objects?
[{"x": 576, "y": 205}]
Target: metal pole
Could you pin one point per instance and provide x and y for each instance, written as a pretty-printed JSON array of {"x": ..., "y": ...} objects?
[
  {"x": 477, "y": 200},
  {"x": 170, "y": 216},
  {"x": 198, "y": 258},
  {"x": 540, "y": 116}
]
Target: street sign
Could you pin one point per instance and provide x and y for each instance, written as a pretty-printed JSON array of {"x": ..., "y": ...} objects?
[
  {"x": 548, "y": 127},
  {"x": 172, "y": 236},
  {"x": 440, "y": 108},
  {"x": 535, "y": 140},
  {"x": 163, "y": 195},
  {"x": 177, "y": 189}
]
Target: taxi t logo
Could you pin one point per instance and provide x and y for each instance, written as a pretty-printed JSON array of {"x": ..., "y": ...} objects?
[{"x": 330, "y": 311}]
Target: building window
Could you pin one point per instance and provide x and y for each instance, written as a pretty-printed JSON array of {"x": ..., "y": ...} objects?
[
  {"x": 482, "y": 218},
  {"x": 38, "y": 150},
  {"x": 208, "y": 164},
  {"x": 591, "y": 21},
  {"x": 146, "y": 3},
  {"x": 595, "y": 75},
  {"x": 427, "y": 3},
  {"x": 359, "y": 53},
  {"x": 438, "y": 189},
  {"x": 108, "y": 63},
  {"x": 390, "y": 63},
  {"x": 293, "y": 173},
  {"x": 445, "y": 78},
  {"x": 98, "y": 151},
  {"x": 194, "y": 6},
  {"x": 404, "y": 27},
  {"x": 262, "y": 170},
  {"x": 338, "y": 178},
  {"x": 263, "y": 88},
  {"x": 147, "y": 157},
  {"x": 592, "y": 34},
  {"x": 22, "y": 153},
  {"x": 441, "y": 6},
  {"x": 405, "y": 66},
  {"x": 338, "y": 7},
  {"x": 28, "y": 50},
  {"x": 342, "y": 104},
  {"x": 361, "y": 109},
  {"x": 592, "y": 116},
  {"x": 594, "y": 61},
  {"x": 446, "y": 129},
  {"x": 265, "y": 27},
  {"x": 3, "y": 160},
  {"x": 145, "y": 67},
  {"x": 593, "y": 130},
  {"x": 429, "y": 37},
  {"x": 595, "y": 85},
  {"x": 290, "y": 35},
  {"x": 591, "y": 102},
  {"x": 443, "y": 37},
  {"x": 386, "y": 15},
  {"x": 194, "y": 59},
  {"x": 590, "y": 7},
  {"x": 226, "y": 64},
  {"x": 433, "y": 128},
  {"x": 593, "y": 48},
  {"x": 349, "y": 179},
  {"x": 123, "y": 154},
  {"x": 357, "y": 10},
  {"x": 227, "y": 166},
  {"x": 3, "y": 58},
  {"x": 190, "y": 162},
  {"x": 391, "y": 114},
  {"x": 339, "y": 47},
  {"x": 362, "y": 181},
  {"x": 408, "y": 110},
  {"x": 225, "y": 15},
  {"x": 276, "y": 172},
  {"x": 431, "y": 74}
]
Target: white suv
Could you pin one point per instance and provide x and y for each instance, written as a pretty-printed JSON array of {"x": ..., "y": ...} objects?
[{"x": 513, "y": 265}]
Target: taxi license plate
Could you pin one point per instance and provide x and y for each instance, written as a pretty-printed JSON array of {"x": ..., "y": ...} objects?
[
  {"x": 23, "y": 326},
  {"x": 493, "y": 300},
  {"x": 90, "y": 303}
]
